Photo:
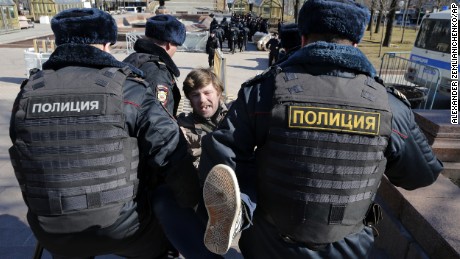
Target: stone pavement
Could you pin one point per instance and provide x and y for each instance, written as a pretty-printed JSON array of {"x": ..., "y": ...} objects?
[{"x": 16, "y": 239}]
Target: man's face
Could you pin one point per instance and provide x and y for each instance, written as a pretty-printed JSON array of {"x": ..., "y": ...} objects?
[{"x": 205, "y": 100}]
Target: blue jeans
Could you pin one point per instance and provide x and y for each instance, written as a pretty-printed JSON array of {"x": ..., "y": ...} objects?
[{"x": 183, "y": 226}]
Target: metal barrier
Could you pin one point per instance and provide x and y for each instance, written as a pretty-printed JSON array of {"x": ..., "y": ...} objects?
[
  {"x": 131, "y": 38},
  {"x": 418, "y": 82},
  {"x": 220, "y": 69},
  {"x": 44, "y": 46},
  {"x": 34, "y": 59},
  {"x": 194, "y": 41}
]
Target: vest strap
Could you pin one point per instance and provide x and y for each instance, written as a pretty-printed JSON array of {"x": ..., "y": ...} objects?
[{"x": 56, "y": 204}]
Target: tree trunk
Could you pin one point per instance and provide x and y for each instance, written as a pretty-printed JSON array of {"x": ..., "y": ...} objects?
[
  {"x": 389, "y": 30},
  {"x": 296, "y": 10},
  {"x": 404, "y": 20},
  {"x": 418, "y": 18},
  {"x": 371, "y": 19},
  {"x": 379, "y": 21}
]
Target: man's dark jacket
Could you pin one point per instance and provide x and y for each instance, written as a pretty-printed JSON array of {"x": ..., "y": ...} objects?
[{"x": 159, "y": 70}]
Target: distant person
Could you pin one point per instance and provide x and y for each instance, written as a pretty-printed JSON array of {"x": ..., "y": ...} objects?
[
  {"x": 154, "y": 52},
  {"x": 233, "y": 37},
  {"x": 211, "y": 46},
  {"x": 289, "y": 41},
  {"x": 90, "y": 141},
  {"x": 273, "y": 46},
  {"x": 298, "y": 159},
  {"x": 264, "y": 26},
  {"x": 225, "y": 26},
  {"x": 220, "y": 35},
  {"x": 213, "y": 25}
]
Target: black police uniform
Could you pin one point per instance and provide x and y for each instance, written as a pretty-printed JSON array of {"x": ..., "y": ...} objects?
[
  {"x": 312, "y": 160},
  {"x": 211, "y": 46},
  {"x": 69, "y": 227},
  {"x": 159, "y": 70},
  {"x": 273, "y": 45}
]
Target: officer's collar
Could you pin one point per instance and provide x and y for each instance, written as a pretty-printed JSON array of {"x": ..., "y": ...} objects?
[
  {"x": 147, "y": 46},
  {"x": 331, "y": 54},
  {"x": 83, "y": 55}
]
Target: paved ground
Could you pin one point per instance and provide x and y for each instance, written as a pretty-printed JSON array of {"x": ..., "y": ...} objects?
[{"x": 16, "y": 239}]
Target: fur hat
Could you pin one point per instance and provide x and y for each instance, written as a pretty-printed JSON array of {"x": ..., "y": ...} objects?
[
  {"x": 289, "y": 35},
  {"x": 166, "y": 28},
  {"x": 343, "y": 17},
  {"x": 84, "y": 26}
]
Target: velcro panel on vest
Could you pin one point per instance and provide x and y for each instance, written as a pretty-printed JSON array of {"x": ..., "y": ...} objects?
[
  {"x": 337, "y": 212},
  {"x": 72, "y": 151},
  {"x": 324, "y": 155}
]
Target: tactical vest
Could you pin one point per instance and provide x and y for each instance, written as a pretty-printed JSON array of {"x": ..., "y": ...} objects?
[
  {"x": 324, "y": 158},
  {"x": 73, "y": 158}
]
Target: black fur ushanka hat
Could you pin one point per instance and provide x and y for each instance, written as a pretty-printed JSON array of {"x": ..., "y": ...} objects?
[
  {"x": 84, "y": 26},
  {"x": 166, "y": 28},
  {"x": 342, "y": 17},
  {"x": 289, "y": 35}
]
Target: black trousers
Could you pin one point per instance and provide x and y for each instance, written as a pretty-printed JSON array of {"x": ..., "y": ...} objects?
[
  {"x": 272, "y": 58},
  {"x": 262, "y": 240},
  {"x": 211, "y": 59},
  {"x": 135, "y": 234}
]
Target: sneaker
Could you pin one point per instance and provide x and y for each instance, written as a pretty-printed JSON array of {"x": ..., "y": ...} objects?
[{"x": 221, "y": 196}]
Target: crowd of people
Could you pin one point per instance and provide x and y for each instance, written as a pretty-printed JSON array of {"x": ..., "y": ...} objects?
[
  {"x": 241, "y": 29},
  {"x": 108, "y": 165},
  {"x": 237, "y": 31}
]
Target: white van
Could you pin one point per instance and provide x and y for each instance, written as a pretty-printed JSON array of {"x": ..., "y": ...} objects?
[
  {"x": 432, "y": 48},
  {"x": 128, "y": 9}
]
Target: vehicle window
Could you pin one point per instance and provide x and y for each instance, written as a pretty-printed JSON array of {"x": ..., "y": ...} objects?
[
  {"x": 434, "y": 35},
  {"x": 12, "y": 13}
]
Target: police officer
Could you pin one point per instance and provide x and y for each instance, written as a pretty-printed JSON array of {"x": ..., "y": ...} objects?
[
  {"x": 289, "y": 41},
  {"x": 233, "y": 37},
  {"x": 163, "y": 33},
  {"x": 309, "y": 141},
  {"x": 213, "y": 24},
  {"x": 273, "y": 46},
  {"x": 211, "y": 45},
  {"x": 220, "y": 35},
  {"x": 89, "y": 137},
  {"x": 225, "y": 26}
]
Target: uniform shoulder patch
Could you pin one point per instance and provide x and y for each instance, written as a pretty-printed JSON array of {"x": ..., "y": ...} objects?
[
  {"x": 273, "y": 70},
  {"x": 162, "y": 94},
  {"x": 138, "y": 80},
  {"x": 398, "y": 94}
]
